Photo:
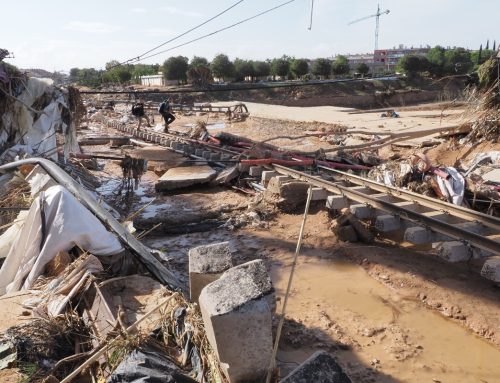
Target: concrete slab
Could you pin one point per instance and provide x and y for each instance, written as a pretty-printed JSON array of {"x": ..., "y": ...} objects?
[
  {"x": 318, "y": 368},
  {"x": 206, "y": 264},
  {"x": 181, "y": 177},
  {"x": 237, "y": 313}
]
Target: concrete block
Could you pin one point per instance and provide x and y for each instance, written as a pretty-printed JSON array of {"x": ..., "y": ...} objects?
[
  {"x": 225, "y": 157},
  {"x": 454, "y": 251},
  {"x": 255, "y": 171},
  {"x": 421, "y": 235},
  {"x": 319, "y": 194},
  {"x": 336, "y": 202},
  {"x": 361, "y": 211},
  {"x": 198, "y": 152},
  {"x": 180, "y": 177},
  {"x": 320, "y": 367},
  {"x": 237, "y": 314},
  {"x": 206, "y": 264},
  {"x": 173, "y": 144},
  {"x": 385, "y": 223},
  {"x": 206, "y": 154},
  {"x": 491, "y": 269}
]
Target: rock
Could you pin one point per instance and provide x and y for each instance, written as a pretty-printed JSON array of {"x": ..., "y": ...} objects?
[
  {"x": 237, "y": 313},
  {"x": 491, "y": 269},
  {"x": 182, "y": 177},
  {"x": 206, "y": 264},
  {"x": 319, "y": 368}
]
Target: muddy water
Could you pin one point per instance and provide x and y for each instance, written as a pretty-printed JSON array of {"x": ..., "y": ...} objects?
[{"x": 416, "y": 345}]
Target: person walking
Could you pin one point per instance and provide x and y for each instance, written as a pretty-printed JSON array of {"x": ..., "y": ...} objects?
[
  {"x": 165, "y": 109},
  {"x": 138, "y": 111}
]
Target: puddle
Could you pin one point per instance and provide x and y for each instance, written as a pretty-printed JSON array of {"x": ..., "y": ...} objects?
[{"x": 352, "y": 299}]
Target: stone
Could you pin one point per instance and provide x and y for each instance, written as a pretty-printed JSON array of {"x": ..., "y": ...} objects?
[
  {"x": 491, "y": 269},
  {"x": 206, "y": 264},
  {"x": 237, "y": 313},
  {"x": 346, "y": 234},
  {"x": 181, "y": 177},
  {"x": 320, "y": 367}
]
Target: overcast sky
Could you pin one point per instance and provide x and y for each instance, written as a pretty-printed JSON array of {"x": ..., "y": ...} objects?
[{"x": 61, "y": 34}]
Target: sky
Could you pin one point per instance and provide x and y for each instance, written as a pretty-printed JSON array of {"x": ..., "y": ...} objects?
[{"x": 57, "y": 35}]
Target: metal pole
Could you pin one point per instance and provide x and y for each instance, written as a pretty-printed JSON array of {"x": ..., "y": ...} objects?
[{"x": 287, "y": 293}]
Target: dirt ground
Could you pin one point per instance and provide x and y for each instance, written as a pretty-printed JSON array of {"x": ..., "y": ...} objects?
[{"x": 387, "y": 313}]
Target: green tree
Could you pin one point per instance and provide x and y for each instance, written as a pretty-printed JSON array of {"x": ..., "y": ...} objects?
[
  {"x": 222, "y": 67},
  {"x": 457, "y": 61},
  {"x": 86, "y": 76},
  {"x": 198, "y": 61},
  {"x": 362, "y": 69},
  {"x": 321, "y": 67},
  {"x": 243, "y": 68},
  {"x": 340, "y": 66},
  {"x": 412, "y": 65},
  {"x": 436, "y": 60},
  {"x": 175, "y": 68},
  {"x": 261, "y": 68},
  {"x": 280, "y": 66},
  {"x": 299, "y": 67}
]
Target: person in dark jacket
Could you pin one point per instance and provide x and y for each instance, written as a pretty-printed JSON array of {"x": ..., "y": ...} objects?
[
  {"x": 165, "y": 110},
  {"x": 138, "y": 111}
]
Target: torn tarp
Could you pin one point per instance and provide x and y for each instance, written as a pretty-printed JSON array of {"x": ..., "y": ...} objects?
[{"x": 66, "y": 223}]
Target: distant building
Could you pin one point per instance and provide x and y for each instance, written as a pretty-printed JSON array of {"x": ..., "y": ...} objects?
[
  {"x": 153, "y": 80},
  {"x": 385, "y": 60},
  {"x": 363, "y": 58}
]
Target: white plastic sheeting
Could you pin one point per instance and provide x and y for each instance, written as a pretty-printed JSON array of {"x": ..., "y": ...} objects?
[
  {"x": 452, "y": 188},
  {"x": 67, "y": 224},
  {"x": 37, "y": 131}
]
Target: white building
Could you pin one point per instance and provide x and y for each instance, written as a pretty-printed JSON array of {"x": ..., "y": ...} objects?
[{"x": 153, "y": 80}]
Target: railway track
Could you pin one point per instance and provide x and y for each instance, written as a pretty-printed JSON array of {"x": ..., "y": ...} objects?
[{"x": 457, "y": 233}]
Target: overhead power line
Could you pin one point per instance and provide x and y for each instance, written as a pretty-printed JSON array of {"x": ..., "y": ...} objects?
[
  {"x": 217, "y": 31},
  {"x": 190, "y": 30}
]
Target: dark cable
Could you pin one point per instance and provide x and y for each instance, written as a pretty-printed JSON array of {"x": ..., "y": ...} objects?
[
  {"x": 185, "y": 33},
  {"x": 217, "y": 31}
]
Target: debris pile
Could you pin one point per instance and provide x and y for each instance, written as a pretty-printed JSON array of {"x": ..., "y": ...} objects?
[{"x": 483, "y": 112}]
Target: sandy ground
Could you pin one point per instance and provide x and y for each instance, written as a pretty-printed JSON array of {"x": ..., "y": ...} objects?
[{"x": 409, "y": 121}]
